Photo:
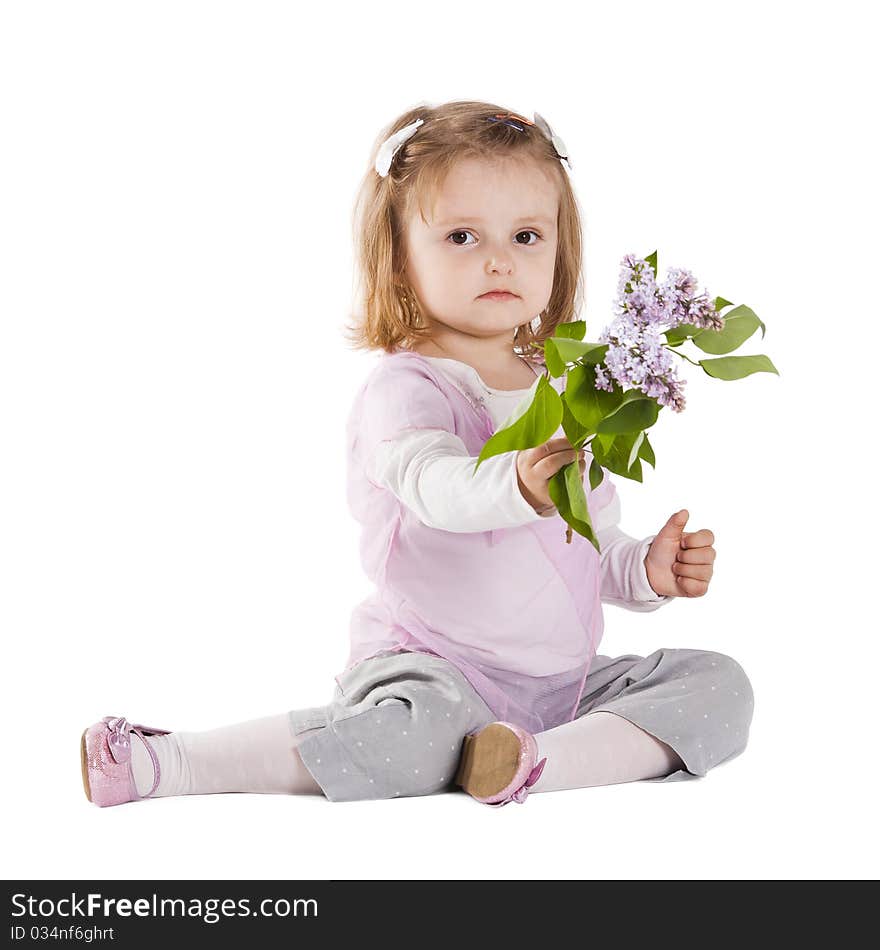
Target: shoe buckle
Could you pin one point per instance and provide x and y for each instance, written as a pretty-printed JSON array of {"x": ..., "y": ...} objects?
[
  {"x": 118, "y": 738},
  {"x": 522, "y": 793}
]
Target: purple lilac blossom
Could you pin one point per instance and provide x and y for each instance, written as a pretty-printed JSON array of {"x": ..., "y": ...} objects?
[
  {"x": 684, "y": 305},
  {"x": 637, "y": 357}
]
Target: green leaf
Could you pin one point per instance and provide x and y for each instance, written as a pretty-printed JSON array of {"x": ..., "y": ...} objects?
[
  {"x": 558, "y": 487},
  {"x": 558, "y": 351},
  {"x": 588, "y": 404},
  {"x": 652, "y": 260},
  {"x": 596, "y": 354},
  {"x": 574, "y": 330},
  {"x": 555, "y": 363},
  {"x": 684, "y": 331},
  {"x": 646, "y": 452},
  {"x": 738, "y": 367},
  {"x": 636, "y": 450},
  {"x": 637, "y": 412},
  {"x": 721, "y": 302},
  {"x": 743, "y": 310},
  {"x": 616, "y": 458},
  {"x": 534, "y": 427},
  {"x": 605, "y": 440},
  {"x": 596, "y": 474},
  {"x": 577, "y": 499},
  {"x": 575, "y": 432},
  {"x": 739, "y": 325}
]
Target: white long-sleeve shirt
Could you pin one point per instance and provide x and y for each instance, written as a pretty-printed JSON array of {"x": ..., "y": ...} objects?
[{"x": 431, "y": 472}]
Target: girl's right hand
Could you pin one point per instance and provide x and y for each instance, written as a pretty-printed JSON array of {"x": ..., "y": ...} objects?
[{"x": 535, "y": 467}]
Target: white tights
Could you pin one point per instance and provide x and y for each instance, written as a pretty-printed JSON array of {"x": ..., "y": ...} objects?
[
  {"x": 255, "y": 756},
  {"x": 601, "y": 748},
  {"x": 261, "y": 756}
]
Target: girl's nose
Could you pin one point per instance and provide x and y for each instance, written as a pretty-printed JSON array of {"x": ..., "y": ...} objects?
[{"x": 499, "y": 264}]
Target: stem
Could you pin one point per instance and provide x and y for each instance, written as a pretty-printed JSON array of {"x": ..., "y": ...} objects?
[{"x": 671, "y": 350}]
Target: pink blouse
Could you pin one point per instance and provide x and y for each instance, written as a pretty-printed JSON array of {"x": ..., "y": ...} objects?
[{"x": 511, "y": 604}]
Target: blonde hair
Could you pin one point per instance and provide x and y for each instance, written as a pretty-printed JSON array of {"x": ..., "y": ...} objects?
[{"x": 390, "y": 316}]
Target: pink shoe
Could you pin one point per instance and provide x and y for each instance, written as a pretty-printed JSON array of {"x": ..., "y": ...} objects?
[
  {"x": 105, "y": 752},
  {"x": 498, "y": 764}
]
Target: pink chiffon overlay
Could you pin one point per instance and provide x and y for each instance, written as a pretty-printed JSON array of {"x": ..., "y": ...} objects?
[{"x": 517, "y": 610}]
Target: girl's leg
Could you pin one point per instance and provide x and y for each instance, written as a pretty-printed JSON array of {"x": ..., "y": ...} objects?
[
  {"x": 255, "y": 756},
  {"x": 677, "y": 712},
  {"x": 601, "y": 749}
]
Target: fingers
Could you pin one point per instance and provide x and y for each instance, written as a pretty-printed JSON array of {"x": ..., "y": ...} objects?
[
  {"x": 547, "y": 467},
  {"x": 536, "y": 466},
  {"x": 696, "y": 556},
  {"x": 693, "y": 565},
  {"x": 691, "y": 587},
  {"x": 698, "y": 539},
  {"x": 550, "y": 448},
  {"x": 698, "y": 572}
]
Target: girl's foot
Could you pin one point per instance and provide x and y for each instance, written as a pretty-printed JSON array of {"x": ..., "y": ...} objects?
[
  {"x": 105, "y": 755},
  {"x": 498, "y": 764}
]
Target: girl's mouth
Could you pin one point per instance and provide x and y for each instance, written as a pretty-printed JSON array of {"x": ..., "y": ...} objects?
[{"x": 498, "y": 295}]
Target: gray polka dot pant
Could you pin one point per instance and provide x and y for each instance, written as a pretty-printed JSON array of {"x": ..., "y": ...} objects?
[{"x": 397, "y": 721}]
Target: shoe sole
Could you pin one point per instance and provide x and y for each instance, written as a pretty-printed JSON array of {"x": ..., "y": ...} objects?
[
  {"x": 489, "y": 761},
  {"x": 85, "y": 765}
]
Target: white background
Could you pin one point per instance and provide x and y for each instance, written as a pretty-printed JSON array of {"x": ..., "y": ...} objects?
[{"x": 176, "y": 547}]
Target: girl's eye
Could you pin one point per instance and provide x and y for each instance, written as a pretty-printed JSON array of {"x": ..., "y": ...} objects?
[{"x": 466, "y": 233}]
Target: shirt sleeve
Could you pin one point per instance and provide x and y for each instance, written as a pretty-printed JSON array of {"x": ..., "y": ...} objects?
[
  {"x": 430, "y": 471},
  {"x": 623, "y": 577}
]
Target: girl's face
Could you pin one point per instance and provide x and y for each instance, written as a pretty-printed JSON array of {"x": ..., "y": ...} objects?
[{"x": 493, "y": 227}]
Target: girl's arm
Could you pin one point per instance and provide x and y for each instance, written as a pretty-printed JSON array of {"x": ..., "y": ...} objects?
[
  {"x": 430, "y": 471},
  {"x": 624, "y": 580}
]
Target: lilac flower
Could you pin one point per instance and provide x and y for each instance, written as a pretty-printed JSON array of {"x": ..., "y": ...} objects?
[
  {"x": 602, "y": 381},
  {"x": 637, "y": 358},
  {"x": 683, "y": 305},
  {"x": 702, "y": 313},
  {"x": 637, "y": 296},
  {"x": 634, "y": 270}
]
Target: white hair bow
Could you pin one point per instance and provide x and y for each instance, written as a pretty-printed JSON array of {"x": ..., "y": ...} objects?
[
  {"x": 558, "y": 144},
  {"x": 392, "y": 144}
]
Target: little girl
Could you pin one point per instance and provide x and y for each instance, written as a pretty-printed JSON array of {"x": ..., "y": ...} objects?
[{"x": 473, "y": 664}]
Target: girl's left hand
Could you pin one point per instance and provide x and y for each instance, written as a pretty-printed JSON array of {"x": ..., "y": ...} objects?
[{"x": 679, "y": 563}]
